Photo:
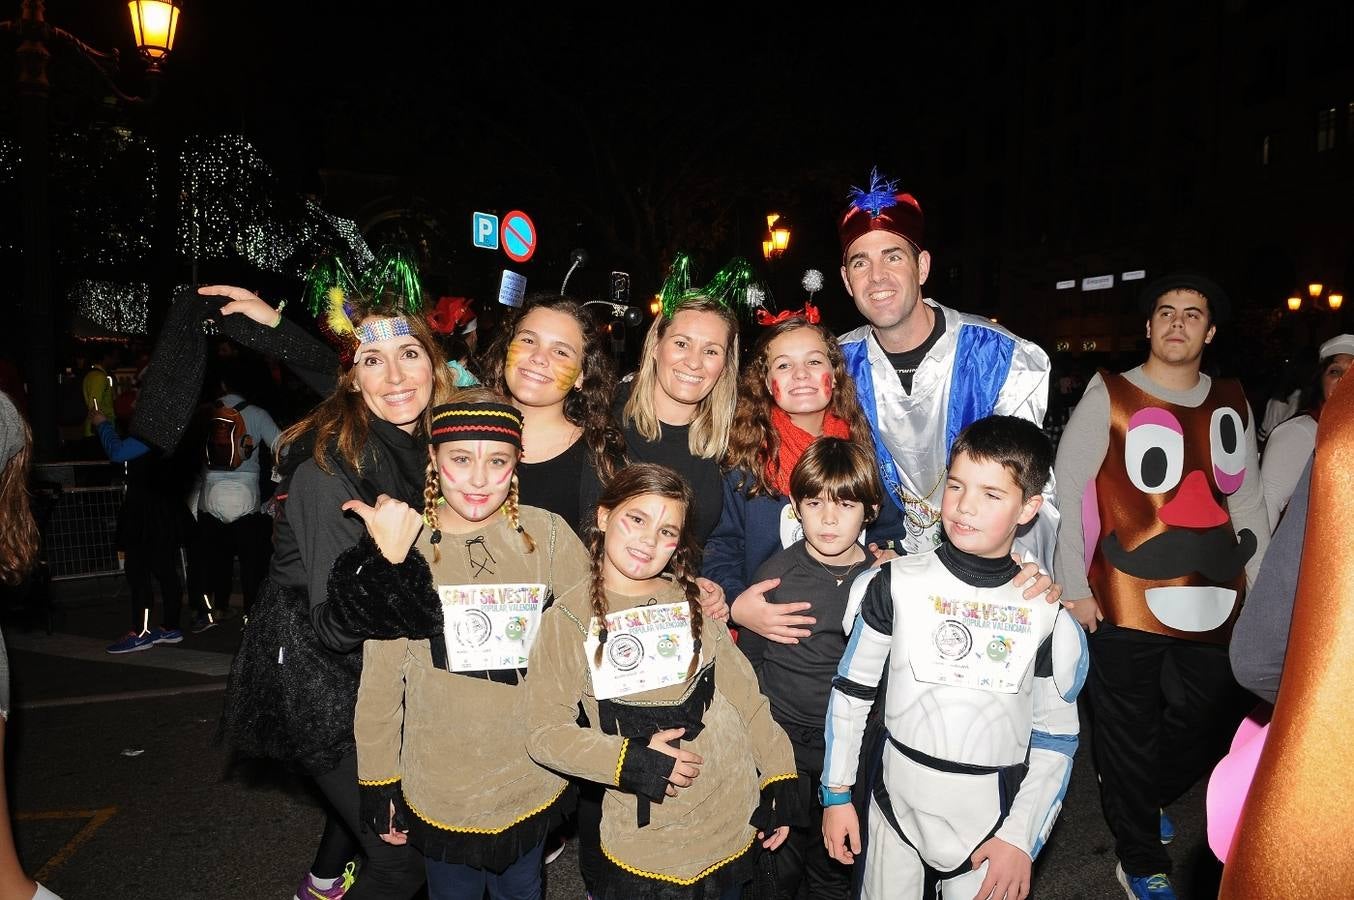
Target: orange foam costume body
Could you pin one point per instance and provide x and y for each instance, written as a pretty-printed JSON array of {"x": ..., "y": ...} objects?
[
  {"x": 1294, "y": 836},
  {"x": 1163, "y": 556}
]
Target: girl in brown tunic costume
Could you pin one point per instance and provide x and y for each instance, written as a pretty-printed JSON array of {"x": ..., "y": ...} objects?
[
  {"x": 469, "y": 798},
  {"x": 677, "y": 822}
]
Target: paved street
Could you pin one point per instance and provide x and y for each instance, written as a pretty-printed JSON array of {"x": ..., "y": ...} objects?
[{"x": 119, "y": 790}]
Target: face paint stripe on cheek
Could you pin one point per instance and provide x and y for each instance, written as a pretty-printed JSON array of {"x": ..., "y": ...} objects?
[
  {"x": 827, "y": 383},
  {"x": 565, "y": 378}
]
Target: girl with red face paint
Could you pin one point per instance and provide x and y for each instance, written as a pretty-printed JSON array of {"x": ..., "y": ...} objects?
[
  {"x": 794, "y": 390},
  {"x": 650, "y": 671},
  {"x": 469, "y": 799}
]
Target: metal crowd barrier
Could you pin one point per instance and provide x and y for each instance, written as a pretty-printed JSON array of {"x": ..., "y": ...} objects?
[{"x": 76, "y": 505}]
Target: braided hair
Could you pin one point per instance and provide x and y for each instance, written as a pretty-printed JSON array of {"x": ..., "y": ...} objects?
[{"x": 633, "y": 481}]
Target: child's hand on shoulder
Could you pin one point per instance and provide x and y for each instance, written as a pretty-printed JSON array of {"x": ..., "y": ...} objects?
[
  {"x": 1008, "y": 871},
  {"x": 713, "y": 605},
  {"x": 1036, "y": 581},
  {"x": 881, "y": 555},
  {"x": 841, "y": 832}
]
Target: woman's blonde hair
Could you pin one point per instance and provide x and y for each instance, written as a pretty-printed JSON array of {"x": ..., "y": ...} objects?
[
  {"x": 709, "y": 433},
  {"x": 342, "y": 419}
]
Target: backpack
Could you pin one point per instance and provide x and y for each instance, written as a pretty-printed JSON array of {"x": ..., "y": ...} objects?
[{"x": 228, "y": 443}]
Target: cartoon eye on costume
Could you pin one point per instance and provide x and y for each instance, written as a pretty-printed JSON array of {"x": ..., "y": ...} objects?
[
  {"x": 1227, "y": 443},
  {"x": 1154, "y": 450}
]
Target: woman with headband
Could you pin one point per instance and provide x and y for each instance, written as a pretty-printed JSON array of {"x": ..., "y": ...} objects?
[{"x": 293, "y": 684}]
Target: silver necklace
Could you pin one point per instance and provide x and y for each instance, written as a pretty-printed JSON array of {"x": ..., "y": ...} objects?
[{"x": 828, "y": 569}]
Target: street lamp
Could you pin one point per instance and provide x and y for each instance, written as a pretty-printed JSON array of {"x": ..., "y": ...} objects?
[
  {"x": 777, "y": 238},
  {"x": 155, "y": 25},
  {"x": 1314, "y": 291}
]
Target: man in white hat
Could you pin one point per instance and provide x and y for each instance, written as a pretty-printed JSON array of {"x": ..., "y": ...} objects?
[{"x": 1292, "y": 441}]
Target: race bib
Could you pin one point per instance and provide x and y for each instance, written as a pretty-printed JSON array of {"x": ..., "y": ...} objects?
[
  {"x": 984, "y": 646},
  {"x": 647, "y": 647},
  {"x": 490, "y": 626}
]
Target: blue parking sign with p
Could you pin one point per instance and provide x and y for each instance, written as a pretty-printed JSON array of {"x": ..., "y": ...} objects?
[{"x": 486, "y": 231}]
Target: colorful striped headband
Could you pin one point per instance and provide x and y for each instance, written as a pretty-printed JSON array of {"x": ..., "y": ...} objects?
[{"x": 477, "y": 422}]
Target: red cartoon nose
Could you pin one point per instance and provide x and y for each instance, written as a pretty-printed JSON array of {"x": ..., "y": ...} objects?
[{"x": 1193, "y": 505}]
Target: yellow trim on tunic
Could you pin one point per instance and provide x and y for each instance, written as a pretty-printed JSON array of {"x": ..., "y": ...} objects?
[
  {"x": 774, "y": 778},
  {"x": 466, "y": 830},
  {"x": 381, "y": 783},
  {"x": 685, "y": 882},
  {"x": 620, "y": 761}
]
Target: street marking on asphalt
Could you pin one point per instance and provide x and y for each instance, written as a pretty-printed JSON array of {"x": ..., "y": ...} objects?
[
  {"x": 70, "y": 646},
  {"x": 151, "y": 694},
  {"x": 97, "y": 819}
]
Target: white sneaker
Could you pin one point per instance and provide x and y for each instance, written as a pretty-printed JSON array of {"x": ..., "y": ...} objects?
[{"x": 554, "y": 854}]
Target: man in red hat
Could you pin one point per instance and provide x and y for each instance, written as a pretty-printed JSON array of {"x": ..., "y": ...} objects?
[
  {"x": 1164, "y": 526},
  {"x": 923, "y": 371}
]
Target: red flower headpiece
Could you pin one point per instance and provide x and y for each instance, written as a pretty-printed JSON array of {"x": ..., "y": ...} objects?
[
  {"x": 809, "y": 312},
  {"x": 450, "y": 313}
]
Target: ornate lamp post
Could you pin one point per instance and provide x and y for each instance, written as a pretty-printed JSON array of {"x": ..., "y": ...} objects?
[
  {"x": 777, "y": 238},
  {"x": 154, "y": 23},
  {"x": 1316, "y": 324}
]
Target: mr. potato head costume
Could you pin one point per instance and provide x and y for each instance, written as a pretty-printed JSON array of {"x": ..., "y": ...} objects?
[{"x": 1164, "y": 525}]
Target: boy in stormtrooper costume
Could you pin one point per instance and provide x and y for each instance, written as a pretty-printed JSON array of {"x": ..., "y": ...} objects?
[{"x": 980, "y": 705}]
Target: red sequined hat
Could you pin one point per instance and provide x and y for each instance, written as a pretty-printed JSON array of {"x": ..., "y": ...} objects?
[{"x": 881, "y": 208}]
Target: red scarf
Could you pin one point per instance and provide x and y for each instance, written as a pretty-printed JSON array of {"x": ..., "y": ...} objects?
[{"x": 793, "y": 442}]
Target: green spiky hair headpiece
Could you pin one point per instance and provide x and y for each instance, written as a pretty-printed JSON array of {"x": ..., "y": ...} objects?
[
  {"x": 394, "y": 273},
  {"x": 733, "y": 287}
]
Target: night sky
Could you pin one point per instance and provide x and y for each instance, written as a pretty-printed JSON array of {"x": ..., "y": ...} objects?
[
  {"x": 638, "y": 137},
  {"x": 654, "y": 129}
]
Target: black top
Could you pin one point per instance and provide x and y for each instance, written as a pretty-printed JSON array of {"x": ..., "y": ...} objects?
[
  {"x": 906, "y": 363},
  {"x": 312, "y": 528},
  {"x": 672, "y": 449},
  {"x": 797, "y": 678},
  {"x": 567, "y": 485}
]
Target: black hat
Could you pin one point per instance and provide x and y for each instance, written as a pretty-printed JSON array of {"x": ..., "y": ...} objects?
[{"x": 1219, "y": 305}]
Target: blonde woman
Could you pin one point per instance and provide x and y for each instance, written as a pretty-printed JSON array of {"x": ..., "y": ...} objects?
[{"x": 678, "y": 409}]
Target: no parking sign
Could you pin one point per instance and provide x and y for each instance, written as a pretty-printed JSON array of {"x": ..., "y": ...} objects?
[{"x": 518, "y": 236}]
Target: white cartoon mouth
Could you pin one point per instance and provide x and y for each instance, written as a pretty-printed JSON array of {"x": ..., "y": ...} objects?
[{"x": 1191, "y": 608}]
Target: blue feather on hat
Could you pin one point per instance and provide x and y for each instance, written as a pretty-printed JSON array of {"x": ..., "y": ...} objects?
[{"x": 881, "y": 195}]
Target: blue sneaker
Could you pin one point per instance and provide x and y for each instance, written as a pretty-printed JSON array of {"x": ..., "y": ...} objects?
[
  {"x": 167, "y": 635},
  {"x": 134, "y": 641},
  {"x": 1145, "y": 887},
  {"x": 1167, "y": 828}
]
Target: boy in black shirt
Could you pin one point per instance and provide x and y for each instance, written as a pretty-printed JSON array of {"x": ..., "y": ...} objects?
[{"x": 835, "y": 491}]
